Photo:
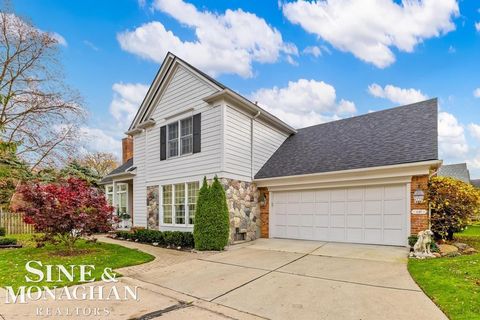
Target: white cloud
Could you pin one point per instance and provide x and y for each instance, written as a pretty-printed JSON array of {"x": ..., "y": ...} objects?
[
  {"x": 396, "y": 94},
  {"x": 313, "y": 50},
  {"x": 451, "y": 137},
  {"x": 225, "y": 43},
  {"x": 476, "y": 93},
  {"x": 304, "y": 102},
  {"x": 474, "y": 130},
  {"x": 127, "y": 98},
  {"x": 477, "y": 26},
  {"x": 369, "y": 29},
  {"x": 90, "y": 45},
  {"x": 452, "y": 50},
  {"x": 59, "y": 38},
  {"x": 95, "y": 139}
]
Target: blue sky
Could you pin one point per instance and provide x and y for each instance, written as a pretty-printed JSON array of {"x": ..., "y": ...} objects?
[{"x": 307, "y": 62}]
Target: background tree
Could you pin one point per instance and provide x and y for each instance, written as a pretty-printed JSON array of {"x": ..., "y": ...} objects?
[
  {"x": 101, "y": 163},
  {"x": 38, "y": 111},
  {"x": 454, "y": 203},
  {"x": 65, "y": 211}
]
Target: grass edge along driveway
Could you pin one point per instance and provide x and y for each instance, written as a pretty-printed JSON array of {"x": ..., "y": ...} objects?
[
  {"x": 101, "y": 255},
  {"x": 452, "y": 283}
]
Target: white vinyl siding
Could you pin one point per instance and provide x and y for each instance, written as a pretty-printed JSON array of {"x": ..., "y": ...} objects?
[
  {"x": 238, "y": 143},
  {"x": 237, "y": 152},
  {"x": 266, "y": 141},
  {"x": 139, "y": 186}
]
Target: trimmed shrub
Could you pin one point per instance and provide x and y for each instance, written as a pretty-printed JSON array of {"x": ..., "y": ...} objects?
[
  {"x": 123, "y": 234},
  {"x": 212, "y": 223},
  {"x": 412, "y": 240},
  {"x": 7, "y": 241},
  {"x": 149, "y": 236},
  {"x": 3, "y": 232},
  {"x": 454, "y": 203}
]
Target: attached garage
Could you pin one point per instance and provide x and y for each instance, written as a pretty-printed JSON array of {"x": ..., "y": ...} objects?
[{"x": 361, "y": 214}]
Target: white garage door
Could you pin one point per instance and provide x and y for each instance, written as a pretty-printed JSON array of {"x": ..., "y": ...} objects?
[{"x": 374, "y": 215}]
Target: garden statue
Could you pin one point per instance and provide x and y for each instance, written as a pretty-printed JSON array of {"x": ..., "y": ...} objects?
[{"x": 421, "y": 249}]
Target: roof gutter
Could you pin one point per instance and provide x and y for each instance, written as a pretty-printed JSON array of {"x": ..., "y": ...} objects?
[{"x": 413, "y": 168}]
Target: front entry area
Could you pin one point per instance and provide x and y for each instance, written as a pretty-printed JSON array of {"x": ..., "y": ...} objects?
[{"x": 366, "y": 214}]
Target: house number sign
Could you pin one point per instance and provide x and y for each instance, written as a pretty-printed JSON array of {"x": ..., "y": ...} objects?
[{"x": 419, "y": 211}]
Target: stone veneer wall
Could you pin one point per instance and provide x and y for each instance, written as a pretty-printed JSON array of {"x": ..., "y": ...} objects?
[
  {"x": 243, "y": 208},
  {"x": 418, "y": 222}
]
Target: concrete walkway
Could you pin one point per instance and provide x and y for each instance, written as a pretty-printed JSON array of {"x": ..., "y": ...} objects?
[{"x": 265, "y": 279}]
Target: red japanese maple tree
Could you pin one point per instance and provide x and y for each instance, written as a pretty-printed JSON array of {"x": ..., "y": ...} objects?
[{"x": 66, "y": 210}]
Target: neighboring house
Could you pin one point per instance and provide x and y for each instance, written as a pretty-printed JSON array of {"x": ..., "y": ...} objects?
[
  {"x": 350, "y": 180},
  {"x": 476, "y": 183},
  {"x": 458, "y": 171}
]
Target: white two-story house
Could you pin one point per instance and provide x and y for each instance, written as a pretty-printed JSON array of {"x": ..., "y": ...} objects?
[{"x": 351, "y": 180}]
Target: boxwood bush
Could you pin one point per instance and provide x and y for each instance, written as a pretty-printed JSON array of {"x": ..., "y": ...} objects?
[
  {"x": 7, "y": 241},
  {"x": 212, "y": 223},
  {"x": 163, "y": 238}
]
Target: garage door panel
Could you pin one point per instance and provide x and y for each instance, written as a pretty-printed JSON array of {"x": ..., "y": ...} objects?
[
  {"x": 338, "y": 194},
  {"x": 354, "y": 235},
  {"x": 394, "y": 206},
  {"x": 308, "y": 196},
  {"x": 322, "y": 196},
  {"x": 337, "y": 207},
  {"x": 281, "y": 219},
  {"x": 373, "y": 207},
  {"x": 373, "y": 221},
  {"x": 375, "y": 215},
  {"x": 374, "y": 193},
  {"x": 337, "y": 234},
  {"x": 322, "y": 208},
  {"x": 307, "y": 208},
  {"x": 337, "y": 220},
  {"x": 354, "y": 221},
  {"x": 355, "y": 207},
  {"x": 322, "y": 220},
  {"x": 392, "y": 236},
  {"x": 393, "y": 221},
  {"x": 355, "y": 194},
  {"x": 373, "y": 236},
  {"x": 321, "y": 233},
  {"x": 394, "y": 192},
  {"x": 307, "y": 220}
]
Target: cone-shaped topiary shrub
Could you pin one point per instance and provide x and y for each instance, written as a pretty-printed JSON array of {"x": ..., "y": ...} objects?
[{"x": 211, "y": 229}]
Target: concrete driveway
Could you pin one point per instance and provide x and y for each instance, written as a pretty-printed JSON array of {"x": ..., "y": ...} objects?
[{"x": 293, "y": 279}]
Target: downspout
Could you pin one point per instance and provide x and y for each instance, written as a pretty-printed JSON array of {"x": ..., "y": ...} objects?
[{"x": 251, "y": 141}]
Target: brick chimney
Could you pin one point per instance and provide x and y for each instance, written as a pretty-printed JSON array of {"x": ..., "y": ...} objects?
[{"x": 127, "y": 149}]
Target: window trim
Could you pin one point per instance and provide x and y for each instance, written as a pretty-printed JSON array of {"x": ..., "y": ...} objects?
[
  {"x": 185, "y": 202},
  {"x": 178, "y": 139}
]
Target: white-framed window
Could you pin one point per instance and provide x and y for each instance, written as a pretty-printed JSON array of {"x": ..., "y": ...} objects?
[
  {"x": 180, "y": 137},
  {"x": 179, "y": 203},
  {"x": 109, "y": 194},
  {"x": 121, "y": 198}
]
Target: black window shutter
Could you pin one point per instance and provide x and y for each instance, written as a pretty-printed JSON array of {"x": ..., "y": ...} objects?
[
  {"x": 163, "y": 143},
  {"x": 197, "y": 128}
]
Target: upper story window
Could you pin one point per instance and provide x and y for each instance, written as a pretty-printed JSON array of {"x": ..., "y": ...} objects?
[{"x": 180, "y": 137}]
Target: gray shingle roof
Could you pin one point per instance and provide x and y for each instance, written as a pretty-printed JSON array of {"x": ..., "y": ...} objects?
[
  {"x": 399, "y": 135},
  {"x": 476, "y": 183},
  {"x": 120, "y": 169},
  {"x": 458, "y": 171}
]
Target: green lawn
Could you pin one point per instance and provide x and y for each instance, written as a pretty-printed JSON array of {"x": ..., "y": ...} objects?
[
  {"x": 101, "y": 255},
  {"x": 453, "y": 283}
]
